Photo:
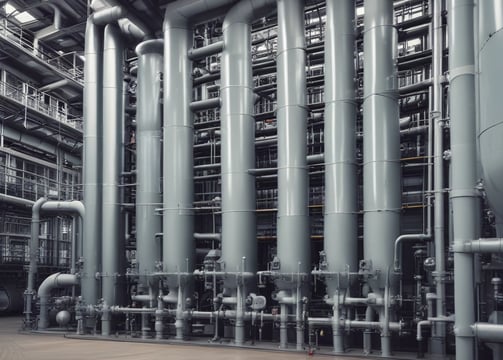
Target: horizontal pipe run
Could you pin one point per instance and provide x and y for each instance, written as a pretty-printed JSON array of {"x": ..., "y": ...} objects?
[
  {"x": 487, "y": 332},
  {"x": 202, "y": 105},
  {"x": 205, "y": 51},
  {"x": 490, "y": 245},
  {"x": 208, "y": 236},
  {"x": 355, "y": 324}
]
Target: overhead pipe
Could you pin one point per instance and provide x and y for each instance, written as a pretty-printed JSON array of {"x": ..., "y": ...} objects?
[
  {"x": 53, "y": 281},
  {"x": 205, "y": 51},
  {"x": 238, "y": 151},
  {"x": 92, "y": 162},
  {"x": 381, "y": 146},
  {"x": 293, "y": 242},
  {"x": 55, "y": 85},
  {"x": 487, "y": 332},
  {"x": 112, "y": 241},
  {"x": 491, "y": 124},
  {"x": 463, "y": 195},
  {"x": 178, "y": 217},
  {"x": 40, "y": 144},
  {"x": 148, "y": 155},
  {"x": 128, "y": 22}
]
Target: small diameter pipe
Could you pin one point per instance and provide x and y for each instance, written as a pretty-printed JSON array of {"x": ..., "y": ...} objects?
[
  {"x": 420, "y": 325},
  {"x": 205, "y": 51},
  {"x": 398, "y": 242},
  {"x": 32, "y": 270}
]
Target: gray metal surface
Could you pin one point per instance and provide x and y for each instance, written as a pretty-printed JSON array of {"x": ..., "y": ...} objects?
[
  {"x": 178, "y": 217},
  {"x": 294, "y": 250},
  {"x": 92, "y": 163},
  {"x": 463, "y": 195},
  {"x": 381, "y": 140},
  {"x": 438, "y": 330},
  {"x": 53, "y": 281},
  {"x": 148, "y": 155},
  {"x": 381, "y": 148},
  {"x": 340, "y": 220},
  {"x": 112, "y": 243},
  {"x": 490, "y": 49}
]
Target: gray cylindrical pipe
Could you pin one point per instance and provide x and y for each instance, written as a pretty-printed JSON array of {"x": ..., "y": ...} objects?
[
  {"x": 112, "y": 244},
  {"x": 340, "y": 218},
  {"x": 239, "y": 245},
  {"x": 237, "y": 139},
  {"x": 381, "y": 146},
  {"x": 148, "y": 155},
  {"x": 92, "y": 164},
  {"x": 293, "y": 227},
  {"x": 490, "y": 50},
  {"x": 178, "y": 217},
  {"x": 487, "y": 332},
  {"x": 381, "y": 140},
  {"x": 438, "y": 329},
  {"x": 463, "y": 195},
  {"x": 33, "y": 267},
  {"x": 53, "y": 281}
]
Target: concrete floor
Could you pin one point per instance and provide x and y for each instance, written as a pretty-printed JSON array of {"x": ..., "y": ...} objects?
[{"x": 16, "y": 346}]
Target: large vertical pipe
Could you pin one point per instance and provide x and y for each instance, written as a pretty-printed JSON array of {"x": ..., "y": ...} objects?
[
  {"x": 491, "y": 124},
  {"x": 381, "y": 144},
  {"x": 92, "y": 167},
  {"x": 178, "y": 194},
  {"x": 294, "y": 248},
  {"x": 293, "y": 238},
  {"x": 438, "y": 329},
  {"x": 238, "y": 148},
  {"x": 464, "y": 173},
  {"x": 340, "y": 217},
  {"x": 148, "y": 155},
  {"x": 112, "y": 243}
]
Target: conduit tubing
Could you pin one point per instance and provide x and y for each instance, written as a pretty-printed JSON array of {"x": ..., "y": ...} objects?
[
  {"x": 92, "y": 162},
  {"x": 463, "y": 194},
  {"x": 112, "y": 241},
  {"x": 148, "y": 154},
  {"x": 53, "y": 281},
  {"x": 381, "y": 144}
]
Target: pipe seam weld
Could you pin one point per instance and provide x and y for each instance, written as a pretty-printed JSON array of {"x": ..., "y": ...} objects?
[
  {"x": 379, "y": 26},
  {"x": 460, "y": 71},
  {"x": 281, "y": 52},
  {"x": 464, "y": 193}
]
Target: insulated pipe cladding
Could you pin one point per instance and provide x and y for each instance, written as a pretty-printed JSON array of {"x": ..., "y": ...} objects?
[
  {"x": 113, "y": 251},
  {"x": 381, "y": 152},
  {"x": 148, "y": 155},
  {"x": 92, "y": 164}
]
